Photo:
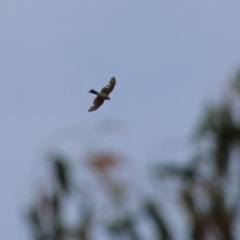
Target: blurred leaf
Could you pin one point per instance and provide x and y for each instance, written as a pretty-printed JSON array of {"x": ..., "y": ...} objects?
[
  {"x": 153, "y": 212},
  {"x": 218, "y": 121},
  {"x": 61, "y": 173},
  {"x": 219, "y": 213},
  {"x": 197, "y": 232},
  {"x": 186, "y": 173},
  {"x": 125, "y": 226},
  {"x": 34, "y": 219},
  {"x": 104, "y": 161},
  {"x": 235, "y": 84},
  {"x": 209, "y": 122},
  {"x": 189, "y": 202},
  {"x": 56, "y": 203},
  {"x": 84, "y": 230}
]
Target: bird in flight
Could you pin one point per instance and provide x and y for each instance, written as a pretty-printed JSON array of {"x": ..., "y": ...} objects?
[{"x": 103, "y": 95}]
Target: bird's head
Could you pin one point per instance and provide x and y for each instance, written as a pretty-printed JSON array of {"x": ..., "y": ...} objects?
[{"x": 108, "y": 98}]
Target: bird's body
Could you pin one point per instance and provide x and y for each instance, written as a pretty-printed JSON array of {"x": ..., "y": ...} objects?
[{"x": 103, "y": 95}]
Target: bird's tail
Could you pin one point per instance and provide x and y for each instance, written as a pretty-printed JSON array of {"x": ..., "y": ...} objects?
[{"x": 94, "y": 91}]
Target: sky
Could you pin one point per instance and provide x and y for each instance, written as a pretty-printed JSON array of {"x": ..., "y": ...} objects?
[{"x": 170, "y": 58}]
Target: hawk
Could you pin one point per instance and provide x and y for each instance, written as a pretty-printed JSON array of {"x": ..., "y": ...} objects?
[{"x": 103, "y": 95}]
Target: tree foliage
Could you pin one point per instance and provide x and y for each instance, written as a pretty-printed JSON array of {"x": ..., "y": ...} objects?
[{"x": 207, "y": 190}]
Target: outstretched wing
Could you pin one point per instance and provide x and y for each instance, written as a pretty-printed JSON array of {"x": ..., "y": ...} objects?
[
  {"x": 110, "y": 86},
  {"x": 98, "y": 101}
]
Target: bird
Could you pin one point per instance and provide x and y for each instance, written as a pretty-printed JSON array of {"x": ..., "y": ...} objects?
[{"x": 103, "y": 95}]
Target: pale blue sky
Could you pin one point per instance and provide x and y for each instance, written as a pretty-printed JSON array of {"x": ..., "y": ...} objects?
[{"x": 169, "y": 57}]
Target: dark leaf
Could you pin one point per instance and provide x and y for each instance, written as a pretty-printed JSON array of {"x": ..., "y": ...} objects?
[
  {"x": 61, "y": 172},
  {"x": 162, "y": 228}
]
